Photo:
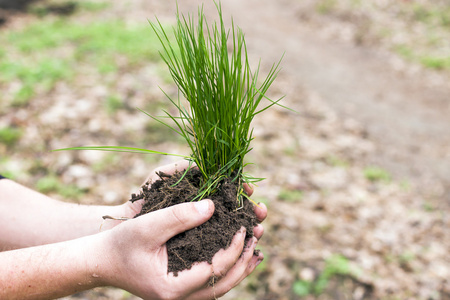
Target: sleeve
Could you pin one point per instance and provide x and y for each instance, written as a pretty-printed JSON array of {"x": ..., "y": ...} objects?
[{"x": 2, "y": 177}]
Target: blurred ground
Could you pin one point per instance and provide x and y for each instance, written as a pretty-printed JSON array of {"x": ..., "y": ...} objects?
[{"x": 357, "y": 182}]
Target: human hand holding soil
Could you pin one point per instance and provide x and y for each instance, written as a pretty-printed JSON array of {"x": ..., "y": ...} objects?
[
  {"x": 136, "y": 258},
  {"x": 141, "y": 247}
]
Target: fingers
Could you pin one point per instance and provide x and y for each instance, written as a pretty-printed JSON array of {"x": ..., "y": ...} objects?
[
  {"x": 260, "y": 211},
  {"x": 245, "y": 265},
  {"x": 261, "y": 208},
  {"x": 258, "y": 231},
  {"x": 225, "y": 259},
  {"x": 199, "y": 276},
  {"x": 131, "y": 209},
  {"x": 248, "y": 189},
  {"x": 173, "y": 220}
]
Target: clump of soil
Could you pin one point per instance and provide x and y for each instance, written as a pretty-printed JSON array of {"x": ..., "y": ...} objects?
[{"x": 200, "y": 243}]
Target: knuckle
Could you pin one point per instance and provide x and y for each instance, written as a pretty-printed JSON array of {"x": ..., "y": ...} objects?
[
  {"x": 250, "y": 268},
  {"x": 221, "y": 272},
  {"x": 178, "y": 214}
]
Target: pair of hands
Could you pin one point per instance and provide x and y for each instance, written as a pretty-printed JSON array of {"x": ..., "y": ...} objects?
[{"x": 137, "y": 255}]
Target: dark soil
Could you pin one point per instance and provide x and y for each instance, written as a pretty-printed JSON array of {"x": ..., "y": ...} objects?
[{"x": 201, "y": 243}]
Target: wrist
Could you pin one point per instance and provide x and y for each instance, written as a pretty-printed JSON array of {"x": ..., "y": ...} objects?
[{"x": 95, "y": 260}]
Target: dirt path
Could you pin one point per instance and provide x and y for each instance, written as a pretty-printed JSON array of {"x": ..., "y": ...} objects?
[{"x": 408, "y": 120}]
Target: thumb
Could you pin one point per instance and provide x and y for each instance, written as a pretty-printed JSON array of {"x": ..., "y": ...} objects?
[{"x": 173, "y": 220}]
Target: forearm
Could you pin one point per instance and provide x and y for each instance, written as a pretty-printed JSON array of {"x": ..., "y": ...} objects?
[
  {"x": 28, "y": 218},
  {"x": 50, "y": 271}
]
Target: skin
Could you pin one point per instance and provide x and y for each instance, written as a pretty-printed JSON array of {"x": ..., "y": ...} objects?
[{"x": 58, "y": 249}]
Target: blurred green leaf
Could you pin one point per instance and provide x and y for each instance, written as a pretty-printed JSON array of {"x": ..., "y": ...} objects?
[
  {"x": 302, "y": 288},
  {"x": 10, "y": 136}
]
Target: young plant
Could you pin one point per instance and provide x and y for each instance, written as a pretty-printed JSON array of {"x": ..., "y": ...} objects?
[{"x": 223, "y": 94}]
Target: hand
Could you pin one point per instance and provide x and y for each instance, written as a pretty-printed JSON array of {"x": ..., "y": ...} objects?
[{"x": 134, "y": 256}]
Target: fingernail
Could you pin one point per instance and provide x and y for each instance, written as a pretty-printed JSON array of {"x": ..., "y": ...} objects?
[{"x": 202, "y": 207}]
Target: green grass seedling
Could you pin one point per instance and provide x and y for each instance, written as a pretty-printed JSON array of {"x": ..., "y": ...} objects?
[{"x": 219, "y": 95}]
